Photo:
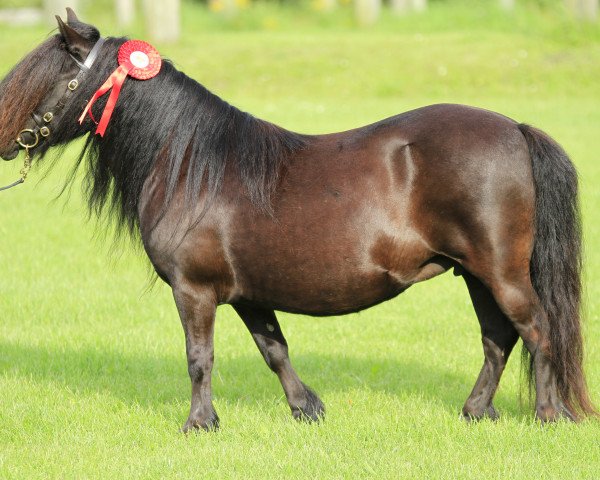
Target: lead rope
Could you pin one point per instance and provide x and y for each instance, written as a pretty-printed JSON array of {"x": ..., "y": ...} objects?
[
  {"x": 27, "y": 163},
  {"x": 24, "y": 171}
]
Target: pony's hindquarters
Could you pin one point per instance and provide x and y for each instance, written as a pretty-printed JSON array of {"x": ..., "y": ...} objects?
[
  {"x": 501, "y": 199},
  {"x": 526, "y": 250}
]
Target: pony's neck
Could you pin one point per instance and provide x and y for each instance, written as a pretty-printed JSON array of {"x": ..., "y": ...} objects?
[{"x": 176, "y": 127}]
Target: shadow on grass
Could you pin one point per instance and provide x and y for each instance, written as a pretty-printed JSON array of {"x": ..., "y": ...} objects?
[{"x": 154, "y": 381}]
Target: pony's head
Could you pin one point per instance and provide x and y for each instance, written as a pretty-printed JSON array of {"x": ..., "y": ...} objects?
[{"x": 37, "y": 91}]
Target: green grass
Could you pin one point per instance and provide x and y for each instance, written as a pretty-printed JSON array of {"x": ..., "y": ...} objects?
[{"x": 93, "y": 380}]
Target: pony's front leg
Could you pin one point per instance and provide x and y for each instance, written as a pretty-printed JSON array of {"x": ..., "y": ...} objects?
[
  {"x": 197, "y": 306},
  {"x": 269, "y": 339}
]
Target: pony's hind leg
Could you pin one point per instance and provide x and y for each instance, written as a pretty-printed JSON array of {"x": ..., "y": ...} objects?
[
  {"x": 518, "y": 300},
  {"x": 269, "y": 339},
  {"x": 498, "y": 338}
]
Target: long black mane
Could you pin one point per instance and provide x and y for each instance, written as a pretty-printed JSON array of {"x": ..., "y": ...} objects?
[{"x": 174, "y": 120}]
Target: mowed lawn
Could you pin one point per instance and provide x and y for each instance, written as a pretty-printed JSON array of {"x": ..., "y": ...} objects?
[{"x": 93, "y": 378}]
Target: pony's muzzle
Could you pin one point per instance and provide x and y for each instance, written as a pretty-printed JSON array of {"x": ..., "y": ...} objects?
[
  {"x": 10, "y": 154},
  {"x": 27, "y": 140}
]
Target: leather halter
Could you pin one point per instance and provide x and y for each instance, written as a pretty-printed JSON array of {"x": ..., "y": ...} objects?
[{"x": 42, "y": 130}]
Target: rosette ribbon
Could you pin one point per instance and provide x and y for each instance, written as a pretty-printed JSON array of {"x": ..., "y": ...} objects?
[{"x": 137, "y": 59}]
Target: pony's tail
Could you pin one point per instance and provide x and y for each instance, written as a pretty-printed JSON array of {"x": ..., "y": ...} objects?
[{"x": 556, "y": 265}]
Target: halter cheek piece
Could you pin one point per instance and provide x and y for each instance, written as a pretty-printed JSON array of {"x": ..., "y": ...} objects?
[{"x": 42, "y": 131}]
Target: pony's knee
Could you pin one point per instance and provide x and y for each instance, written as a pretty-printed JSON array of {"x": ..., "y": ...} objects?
[{"x": 200, "y": 362}]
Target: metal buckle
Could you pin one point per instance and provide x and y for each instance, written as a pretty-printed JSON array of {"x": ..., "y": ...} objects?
[
  {"x": 44, "y": 132},
  {"x": 21, "y": 142},
  {"x": 48, "y": 117},
  {"x": 73, "y": 84}
]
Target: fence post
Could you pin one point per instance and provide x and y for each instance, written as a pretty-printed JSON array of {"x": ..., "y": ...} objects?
[
  {"x": 125, "y": 10},
  {"x": 583, "y": 9},
  {"x": 400, "y": 6},
  {"x": 367, "y": 11},
  {"x": 419, "y": 5},
  {"x": 507, "y": 5},
  {"x": 163, "y": 19},
  {"x": 328, "y": 5}
]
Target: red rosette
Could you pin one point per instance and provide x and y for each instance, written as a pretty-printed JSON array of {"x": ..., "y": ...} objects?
[
  {"x": 137, "y": 59},
  {"x": 142, "y": 59}
]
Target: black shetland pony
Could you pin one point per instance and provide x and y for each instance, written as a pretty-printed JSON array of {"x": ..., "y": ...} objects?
[{"x": 232, "y": 209}]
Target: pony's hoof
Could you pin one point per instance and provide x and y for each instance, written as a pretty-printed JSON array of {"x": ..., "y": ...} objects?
[
  {"x": 490, "y": 412},
  {"x": 566, "y": 414},
  {"x": 210, "y": 424},
  {"x": 469, "y": 417},
  {"x": 551, "y": 414},
  {"x": 313, "y": 409}
]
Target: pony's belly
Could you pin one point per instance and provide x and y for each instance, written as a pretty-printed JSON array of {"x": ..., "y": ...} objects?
[
  {"x": 330, "y": 276},
  {"x": 321, "y": 294}
]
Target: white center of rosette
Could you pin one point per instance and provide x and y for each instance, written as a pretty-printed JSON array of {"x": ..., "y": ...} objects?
[{"x": 139, "y": 59}]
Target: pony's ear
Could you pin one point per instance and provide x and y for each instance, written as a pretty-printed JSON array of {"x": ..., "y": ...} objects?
[
  {"x": 71, "y": 17},
  {"x": 76, "y": 43}
]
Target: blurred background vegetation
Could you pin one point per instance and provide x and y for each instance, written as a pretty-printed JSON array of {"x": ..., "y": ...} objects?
[{"x": 163, "y": 18}]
